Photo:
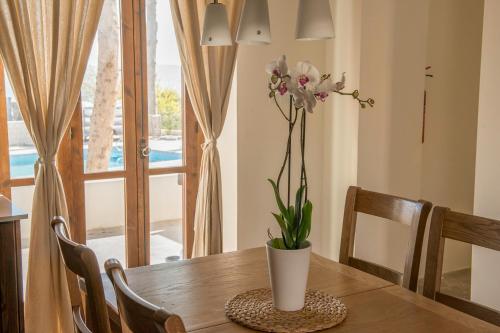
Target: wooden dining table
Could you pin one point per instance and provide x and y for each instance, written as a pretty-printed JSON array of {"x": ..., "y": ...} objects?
[{"x": 198, "y": 289}]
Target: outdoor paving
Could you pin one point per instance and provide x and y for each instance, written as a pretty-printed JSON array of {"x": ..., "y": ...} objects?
[{"x": 166, "y": 242}]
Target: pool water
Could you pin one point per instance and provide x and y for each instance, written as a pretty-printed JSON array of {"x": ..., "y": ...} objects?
[{"x": 22, "y": 165}]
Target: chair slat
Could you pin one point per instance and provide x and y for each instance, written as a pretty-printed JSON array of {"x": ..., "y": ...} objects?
[
  {"x": 474, "y": 309},
  {"x": 80, "y": 326},
  {"x": 385, "y": 206},
  {"x": 471, "y": 229},
  {"x": 82, "y": 261},
  {"x": 377, "y": 270},
  {"x": 409, "y": 212},
  {"x": 474, "y": 230}
]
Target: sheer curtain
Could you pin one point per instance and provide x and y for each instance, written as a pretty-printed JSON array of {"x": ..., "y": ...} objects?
[
  {"x": 45, "y": 45},
  {"x": 208, "y": 72}
]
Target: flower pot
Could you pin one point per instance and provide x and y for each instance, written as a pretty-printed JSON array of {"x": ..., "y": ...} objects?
[{"x": 288, "y": 272}]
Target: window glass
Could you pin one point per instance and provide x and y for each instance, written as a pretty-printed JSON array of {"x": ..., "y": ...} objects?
[{"x": 165, "y": 87}]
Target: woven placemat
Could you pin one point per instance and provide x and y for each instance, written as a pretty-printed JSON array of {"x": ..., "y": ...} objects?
[{"x": 254, "y": 309}]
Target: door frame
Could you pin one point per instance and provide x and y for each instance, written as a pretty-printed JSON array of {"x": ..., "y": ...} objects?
[{"x": 135, "y": 127}]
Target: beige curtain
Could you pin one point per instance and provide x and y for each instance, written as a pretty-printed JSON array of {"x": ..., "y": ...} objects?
[
  {"x": 45, "y": 45},
  {"x": 208, "y": 72}
]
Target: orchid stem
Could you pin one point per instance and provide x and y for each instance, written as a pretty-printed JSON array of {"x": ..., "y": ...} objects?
[
  {"x": 290, "y": 130},
  {"x": 279, "y": 107}
]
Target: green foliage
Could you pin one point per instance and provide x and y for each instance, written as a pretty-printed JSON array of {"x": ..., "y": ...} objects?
[
  {"x": 168, "y": 104},
  {"x": 294, "y": 221}
]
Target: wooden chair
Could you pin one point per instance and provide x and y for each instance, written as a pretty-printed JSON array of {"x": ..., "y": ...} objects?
[
  {"x": 138, "y": 314},
  {"x": 82, "y": 261},
  {"x": 465, "y": 228},
  {"x": 406, "y": 211}
]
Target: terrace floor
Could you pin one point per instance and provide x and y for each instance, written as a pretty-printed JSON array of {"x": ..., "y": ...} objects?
[{"x": 166, "y": 244}]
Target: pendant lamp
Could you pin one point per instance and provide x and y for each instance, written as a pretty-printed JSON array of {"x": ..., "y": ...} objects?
[
  {"x": 254, "y": 23},
  {"x": 215, "y": 26},
  {"x": 314, "y": 20}
]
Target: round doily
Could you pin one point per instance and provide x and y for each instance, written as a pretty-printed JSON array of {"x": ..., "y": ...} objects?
[{"x": 254, "y": 309}]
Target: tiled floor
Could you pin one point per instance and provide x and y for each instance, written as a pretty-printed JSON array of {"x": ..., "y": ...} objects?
[
  {"x": 455, "y": 283},
  {"x": 166, "y": 244}
]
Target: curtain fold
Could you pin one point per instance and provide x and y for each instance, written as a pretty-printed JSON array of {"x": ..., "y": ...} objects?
[
  {"x": 208, "y": 73},
  {"x": 45, "y": 45}
]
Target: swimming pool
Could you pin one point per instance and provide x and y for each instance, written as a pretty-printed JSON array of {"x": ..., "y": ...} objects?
[{"x": 21, "y": 164}]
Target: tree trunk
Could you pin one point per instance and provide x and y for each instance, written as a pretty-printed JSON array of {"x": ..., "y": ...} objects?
[
  {"x": 151, "y": 41},
  {"x": 106, "y": 90}
]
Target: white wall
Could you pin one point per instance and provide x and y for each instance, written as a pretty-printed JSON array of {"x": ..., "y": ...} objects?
[
  {"x": 105, "y": 202},
  {"x": 485, "y": 263},
  {"x": 384, "y": 47},
  {"x": 340, "y": 123},
  {"x": 261, "y": 131},
  {"x": 393, "y": 57},
  {"x": 399, "y": 39},
  {"x": 22, "y": 197},
  {"x": 449, "y": 152},
  {"x": 228, "y": 151}
]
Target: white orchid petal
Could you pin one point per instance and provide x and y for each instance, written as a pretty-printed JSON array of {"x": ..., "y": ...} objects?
[
  {"x": 282, "y": 65},
  {"x": 270, "y": 67},
  {"x": 326, "y": 85},
  {"x": 278, "y": 66},
  {"x": 306, "y": 68}
]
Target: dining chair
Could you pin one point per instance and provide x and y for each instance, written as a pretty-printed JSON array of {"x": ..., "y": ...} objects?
[
  {"x": 470, "y": 229},
  {"x": 138, "y": 314},
  {"x": 405, "y": 211},
  {"x": 82, "y": 261}
]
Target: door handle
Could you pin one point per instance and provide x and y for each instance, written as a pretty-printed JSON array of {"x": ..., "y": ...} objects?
[{"x": 144, "y": 149}]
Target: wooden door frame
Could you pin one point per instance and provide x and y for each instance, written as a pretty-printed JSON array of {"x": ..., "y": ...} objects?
[
  {"x": 191, "y": 148},
  {"x": 136, "y": 173},
  {"x": 4, "y": 139}
]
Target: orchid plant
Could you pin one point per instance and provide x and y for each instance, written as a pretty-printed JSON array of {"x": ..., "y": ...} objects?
[{"x": 304, "y": 87}]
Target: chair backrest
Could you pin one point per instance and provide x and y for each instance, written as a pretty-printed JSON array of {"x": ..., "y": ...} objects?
[
  {"x": 80, "y": 326},
  {"x": 82, "y": 261},
  {"x": 406, "y": 211},
  {"x": 466, "y": 228},
  {"x": 138, "y": 314}
]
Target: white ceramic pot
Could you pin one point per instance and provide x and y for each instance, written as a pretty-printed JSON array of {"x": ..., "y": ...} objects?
[{"x": 288, "y": 272}]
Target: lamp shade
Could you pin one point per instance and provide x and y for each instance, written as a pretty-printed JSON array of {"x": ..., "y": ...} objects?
[
  {"x": 314, "y": 20},
  {"x": 254, "y": 23},
  {"x": 215, "y": 26}
]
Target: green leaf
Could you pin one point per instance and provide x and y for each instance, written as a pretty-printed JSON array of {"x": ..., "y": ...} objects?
[
  {"x": 285, "y": 232},
  {"x": 298, "y": 205},
  {"x": 281, "y": 206},
  {"x": 278, "y": 243},
  {"x": 291, "y": 212},
  {"x": 305, "y": 225},
  {"x": 281, "y": 222}
]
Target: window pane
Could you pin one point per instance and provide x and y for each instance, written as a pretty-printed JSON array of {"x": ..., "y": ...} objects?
[
  {"x": 165, "y": 87},
  {"x": 23, "y": 154},
  {"x": 22, "y": 197},
  {"x": 102, "y": 96},
  {"x": 105, "y": 217},
  {"x": 165, "y": 204}
]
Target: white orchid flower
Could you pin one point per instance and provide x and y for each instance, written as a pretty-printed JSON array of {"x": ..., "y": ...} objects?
[
  {"x": 327, "y": 86},
  {"x": 278, "y": 67},
  {"x": 341, "y": 84},
  {"x": 306, "y": 75},
  {"x": 304, "y": 98}
]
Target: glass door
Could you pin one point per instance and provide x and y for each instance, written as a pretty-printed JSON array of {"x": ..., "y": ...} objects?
[
  {"x": 170, "y": 136},
  {"x": 139, "y": 138},
  {"x": 129, "y": 160}
]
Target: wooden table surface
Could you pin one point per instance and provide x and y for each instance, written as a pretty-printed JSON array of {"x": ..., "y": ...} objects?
[{"x": 198, "y": 289}]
